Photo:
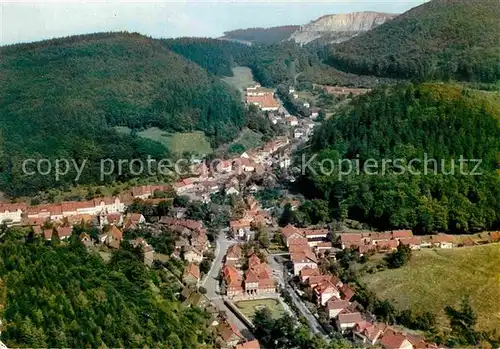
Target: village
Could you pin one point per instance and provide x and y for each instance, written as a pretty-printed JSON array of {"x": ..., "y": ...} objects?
[{"x": 242, "y": 275}]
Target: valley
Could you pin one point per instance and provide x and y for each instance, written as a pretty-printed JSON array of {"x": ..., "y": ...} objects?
[{"x": 329, "y": 181}]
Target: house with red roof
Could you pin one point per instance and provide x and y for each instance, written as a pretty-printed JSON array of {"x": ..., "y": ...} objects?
[
  {"x": 494, "y": 236},
  {"x": 303, "y": 259},
  {"x": 254, "y": 344},
  {"x": 228, "y": 335},
  {"x": 232, "y": 281},
  {"x": 11, "y": 214},
  {"x": 290, "y": 232},
  {"x": 394, "y": 340},
  {"x": 347, "y": 321},
  {"x": 307, "y": 272},
  {"x": 234, "y": 254},
  {"x": 240, "y": 228},
  {"x": 442, "y": 241},
  {"x": 348, "y": 240},
  {"x": 413, "y": 242},
  {"x": 113, "y": 237},
  {"x": 191, "y": 275},
  {"x": 398, "y": 234},
  {"x": 336, "y": 306},
  {"x": 193, "y": 255},
  {"x": 388, "y": 245},
  {"x": 346, "y": 292},
  {"x": 367, "y": 332},
  {"x": 325, "y": 291}
]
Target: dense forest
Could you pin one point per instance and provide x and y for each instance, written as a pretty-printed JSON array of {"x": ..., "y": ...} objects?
[
  {"x": 62, "y": 296},
  {"x": 61, "y": 99},
  {"x": 425, "y": 122},
  {"x": 441, "y": 39},
  {"x": 260, "y": 36}
]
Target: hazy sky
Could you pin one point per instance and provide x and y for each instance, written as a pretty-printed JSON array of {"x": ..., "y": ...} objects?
[{"x": 24, "y": 21}]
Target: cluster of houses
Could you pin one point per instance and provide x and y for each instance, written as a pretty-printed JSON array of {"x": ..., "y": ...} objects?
[
  {"x": 262, "y": 98},
  {"x": 74, "y": 211},
  {"x": 367, "y": 242},
  {"x": 253, "y": 216},
  {"x": 306, "y": 247},
  {"x": 256, "y": 281},
  {"x": 207, "y": 180},
  {"x": 190, "y": 245}
]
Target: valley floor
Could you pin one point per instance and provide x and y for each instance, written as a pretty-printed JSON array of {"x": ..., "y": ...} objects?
[{"x": 436, "y": 278}]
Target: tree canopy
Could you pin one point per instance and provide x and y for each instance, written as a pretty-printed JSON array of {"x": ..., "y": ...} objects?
[{"x": 441, "y": 39}]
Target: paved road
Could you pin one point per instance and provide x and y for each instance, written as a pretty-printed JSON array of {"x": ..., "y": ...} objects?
[
  {"x": 282, "y": 280},
  {"x": 211, "y": 283}
]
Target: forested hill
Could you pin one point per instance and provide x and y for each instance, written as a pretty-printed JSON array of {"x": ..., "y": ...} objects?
[
  {"x": 429, "y": 121},
  {"x": 441, "y": 39},
  {"x": 62, "y": 98},
  {"x": 272, "y": 35},
  {"x": 65, "y": 297}
]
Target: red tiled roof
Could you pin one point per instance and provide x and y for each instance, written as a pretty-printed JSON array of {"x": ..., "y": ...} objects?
[
  {"x": 387, "y": 245},
  {"x": 192, "y": 269},
  {"x": 442, "y": 238},
  {"x": 13, "y": 207},
  {"x": 266, "y": 101},
  {"x": 234, "y": 252},
  {"x": 226, "y": 330},
  {"x": 290, "y": 230},
  {"x": 308, "y": 271},
  {"x": 347, "y": 292},
  {"x": 249, "y": 345},
  {"x": 63, "y": 232},
  {"x": 402, "y": 234},
  {"x": 392, "y": 340},
  {"x": 253, "y": 261},
  {"x": 314, "y": 232},
  {"x": 413, "y": 241},
  {"x": 251, "y": 277},
  {"x": 239, "y": 224},
  {"x": 348, "y": 237},
  {"x": 494, "y": 235},
  {"x": 266, "y": 283},
  {"x": 116, "y": 233},
  {"x": 337, "y": 304},
  {"x": 350, "y": 318}
]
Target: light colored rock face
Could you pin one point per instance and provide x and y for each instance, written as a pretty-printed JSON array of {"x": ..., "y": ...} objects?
[{"x": 340, "y": 27}]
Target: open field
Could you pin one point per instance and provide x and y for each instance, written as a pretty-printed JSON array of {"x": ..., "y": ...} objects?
[
  {"x": 436, "y": 278},
  {"x": 248, "y": 308},
  {"x": 241, "y": 79},
  {"x": 194, "y": 142}
]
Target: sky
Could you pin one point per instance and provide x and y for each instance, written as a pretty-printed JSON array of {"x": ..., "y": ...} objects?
[{"x": 27, "y": 21}]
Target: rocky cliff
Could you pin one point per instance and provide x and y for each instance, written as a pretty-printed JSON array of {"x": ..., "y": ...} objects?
[{"x": 339, "y": 27}]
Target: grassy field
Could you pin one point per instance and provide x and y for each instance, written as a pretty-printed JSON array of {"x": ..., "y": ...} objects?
[
  {"x": 241, "y": 79},
  {"x": 194, "y": 142},
  {"x": 436, "y": 278},
  {"x": 248, "y": 308}
]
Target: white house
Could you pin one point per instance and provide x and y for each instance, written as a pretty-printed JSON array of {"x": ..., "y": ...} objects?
[
  {"x": 192, "y": 255},
  {"x": 11, "y": 213},
  {"x": 347, "y": 321},
  {"x": 301, "y": 260}
]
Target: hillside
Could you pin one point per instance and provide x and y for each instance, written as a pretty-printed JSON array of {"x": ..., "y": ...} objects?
[
  {"x": 61, "y": 99},
  {"x": 66, "y": 297},
  {"x": 339, "y": 27},
  {"x": 434, "y": 279},
  {"x": 393, "y": 126},
  {"x": 441, "y": 39},
  {"x": 261, "y": 35}
]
